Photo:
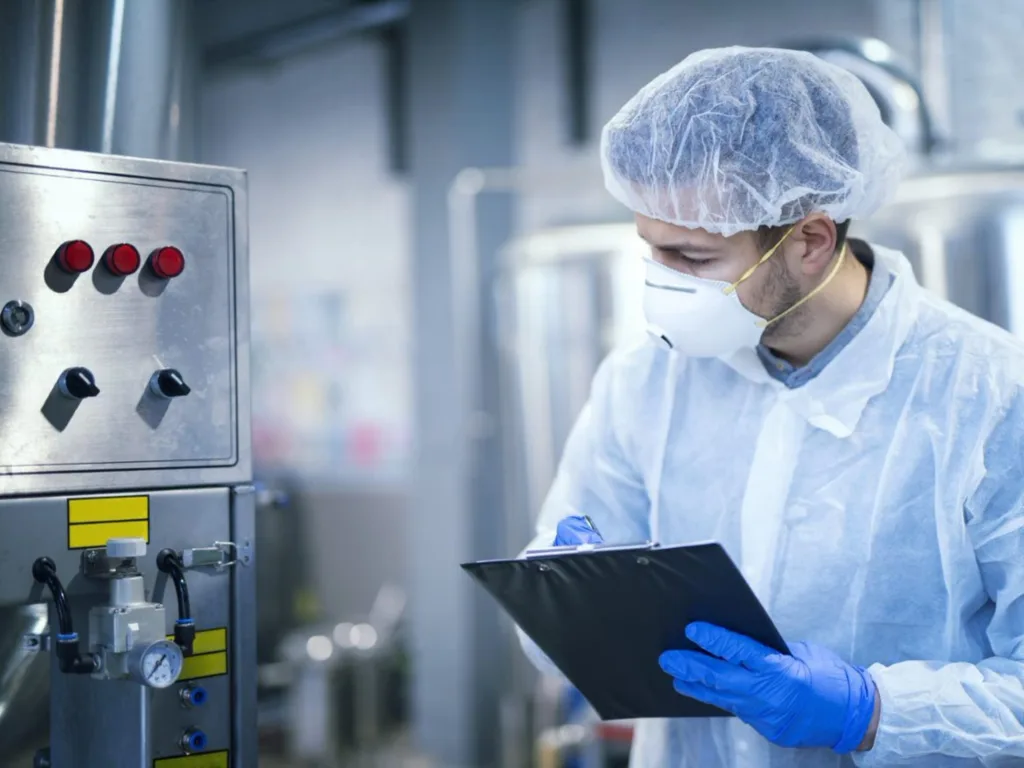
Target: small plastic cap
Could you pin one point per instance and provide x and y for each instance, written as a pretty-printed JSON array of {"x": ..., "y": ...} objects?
[
  {"x": 125, "y": 548},
  {"x": 195, "y": 740},
  {"x": 196, "y": 696}
]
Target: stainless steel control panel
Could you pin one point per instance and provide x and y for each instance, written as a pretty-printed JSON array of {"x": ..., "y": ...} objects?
[{"x": 119, "y": 316}]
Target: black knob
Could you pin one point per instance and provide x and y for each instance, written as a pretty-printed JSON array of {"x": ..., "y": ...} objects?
[
  {"x": 77, "y": 383},
  {"x": 169, "y": 383}
]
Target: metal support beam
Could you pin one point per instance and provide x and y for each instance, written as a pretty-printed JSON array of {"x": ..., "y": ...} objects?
[
  {"x": 395, "y": 39},
  {"x": 461, "y": 88},
  {"x": 576, "y": 28}
]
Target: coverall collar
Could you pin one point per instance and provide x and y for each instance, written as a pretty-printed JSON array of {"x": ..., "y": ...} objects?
[{"x": 835, "y": 399}]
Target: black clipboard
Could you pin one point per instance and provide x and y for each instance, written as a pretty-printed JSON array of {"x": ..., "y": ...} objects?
[{"x": 604, "y": 614}]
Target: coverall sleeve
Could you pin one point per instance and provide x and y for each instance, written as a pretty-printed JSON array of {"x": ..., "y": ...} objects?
[
  {"x": 973, "y": 711},
  {"x": 596, "y": 477}
]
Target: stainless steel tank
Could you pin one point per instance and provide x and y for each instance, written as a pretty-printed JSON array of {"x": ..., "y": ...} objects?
[
  {"x": 963, "y": 230},
  {"x": 567, "y": 296}
]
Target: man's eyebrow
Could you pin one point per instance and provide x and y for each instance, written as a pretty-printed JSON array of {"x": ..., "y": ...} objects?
[{"x": 680, "y": 245}]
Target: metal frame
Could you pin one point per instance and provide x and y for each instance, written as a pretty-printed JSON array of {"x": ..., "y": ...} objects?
[{"x": 243, "y": 643}]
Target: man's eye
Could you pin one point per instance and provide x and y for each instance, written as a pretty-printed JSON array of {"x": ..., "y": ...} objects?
[
  {"x": 678, "y": 257},
  {"x": 692, "y": 261}
]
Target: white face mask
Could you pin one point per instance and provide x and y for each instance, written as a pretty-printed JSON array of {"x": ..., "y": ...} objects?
[
  {"x": 696, "y": 316},
  {"x": 705, "y": 318}
]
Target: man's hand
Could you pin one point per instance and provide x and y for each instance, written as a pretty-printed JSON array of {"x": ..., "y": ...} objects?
[
  {"x": 576, "y": 530},
  {"x": 809, "y": 699}
]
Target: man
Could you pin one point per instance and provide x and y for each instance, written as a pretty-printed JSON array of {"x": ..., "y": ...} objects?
[{"x": 856, "y": 444}]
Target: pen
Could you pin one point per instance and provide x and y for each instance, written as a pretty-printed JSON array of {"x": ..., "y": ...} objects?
[
  {"x": 590, "y": 525},
  {"x": 574, "y": 548}
]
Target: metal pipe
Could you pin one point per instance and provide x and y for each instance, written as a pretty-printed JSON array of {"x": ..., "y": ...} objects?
[
  {"x": 113, "y": 68},
  {"x": 53, "y": 92},
  {"x": 899, "y": 95},
  {"x": 76, "y": 65},
  {"x": 934, "y": 73}
]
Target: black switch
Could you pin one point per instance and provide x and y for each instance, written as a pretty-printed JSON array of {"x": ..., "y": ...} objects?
[
  {"x": 169, "y": 383},
  {"x": 77, "y": 383}
]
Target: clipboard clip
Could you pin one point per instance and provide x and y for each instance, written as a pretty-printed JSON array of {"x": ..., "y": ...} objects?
[{"x": 581, "y": 549}]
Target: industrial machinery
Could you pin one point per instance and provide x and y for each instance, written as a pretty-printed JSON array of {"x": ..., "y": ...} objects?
[{"x": 126, "y": 505}]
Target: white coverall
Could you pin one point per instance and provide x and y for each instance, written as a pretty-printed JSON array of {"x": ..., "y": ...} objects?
[{"x": 876, "y": 510}]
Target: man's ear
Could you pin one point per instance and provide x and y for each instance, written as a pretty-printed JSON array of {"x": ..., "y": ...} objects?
[{"x": 818, "y": 237}]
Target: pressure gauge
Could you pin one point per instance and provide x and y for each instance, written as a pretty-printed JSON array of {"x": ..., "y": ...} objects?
[{"x": 157, "y": 664}]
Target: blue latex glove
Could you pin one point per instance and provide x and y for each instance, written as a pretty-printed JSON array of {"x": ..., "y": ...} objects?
[
  {"x": 576, "y": 530},
  {"x": 810, "y": 699}
]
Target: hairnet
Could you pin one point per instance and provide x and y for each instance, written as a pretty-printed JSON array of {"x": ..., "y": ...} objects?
[{"x": 733, "y": 139}]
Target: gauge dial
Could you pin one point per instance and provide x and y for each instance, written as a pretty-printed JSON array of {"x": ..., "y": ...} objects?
[{"x": 160, "y": 664}]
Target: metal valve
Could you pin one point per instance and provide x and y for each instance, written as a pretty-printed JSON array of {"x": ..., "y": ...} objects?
[{"x": 123, "y": 549}]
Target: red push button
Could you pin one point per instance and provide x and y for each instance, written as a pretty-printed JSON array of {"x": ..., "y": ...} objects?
[
  {"x": 122, "y": 260},
  {"x": 75, "y": 256},
  {"x": 167, "y": 262}
]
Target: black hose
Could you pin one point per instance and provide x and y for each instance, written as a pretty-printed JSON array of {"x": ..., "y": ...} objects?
[
  {"x": 44, "y": 570},
  {"x": 185, "y": 627},
  {"x": 169, "y": 562},
  {"x": 71, "y": 661}
]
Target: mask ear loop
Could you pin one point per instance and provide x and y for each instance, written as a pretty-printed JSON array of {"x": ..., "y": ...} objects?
[
  {"x": 832, "y": 273},
  {"x": 729, "y": 289}
]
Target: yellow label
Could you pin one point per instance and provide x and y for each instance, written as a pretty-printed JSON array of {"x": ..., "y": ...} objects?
[
  {"x": 205, "y": 665},
  {"x": 204, "y": 760},
  {"x": 208, "y": 640},
  {"x": 209, "y": 654},
  {"x": 92, "y": 521},
  {"x": 210, "y": 657},
  {"x": 108, "y": 510}
]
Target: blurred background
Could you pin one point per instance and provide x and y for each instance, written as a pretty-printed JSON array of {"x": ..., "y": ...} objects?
[{"x": 436, "y": 272}]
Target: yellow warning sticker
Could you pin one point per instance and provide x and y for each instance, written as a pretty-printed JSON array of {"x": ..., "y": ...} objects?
[
  {"x": 210, "y": 640},
  {"x": 202, "y": 760},
  {"x": 209, "y": 655},
  {"x": 205, "y": 665},
  {"x": 94, "y": 520}
]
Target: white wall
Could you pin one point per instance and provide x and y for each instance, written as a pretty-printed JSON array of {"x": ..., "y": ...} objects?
[{"x": 328, "y": 252}]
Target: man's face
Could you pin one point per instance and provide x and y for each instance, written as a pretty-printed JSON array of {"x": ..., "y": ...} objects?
[{"x": 768, "y": 292}]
